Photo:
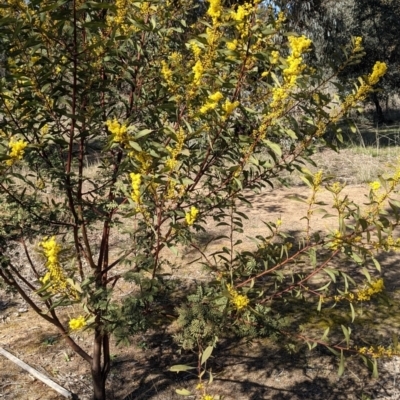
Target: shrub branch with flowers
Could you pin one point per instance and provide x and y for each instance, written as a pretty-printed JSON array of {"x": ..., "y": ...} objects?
[{"x": 157, "y": 101}]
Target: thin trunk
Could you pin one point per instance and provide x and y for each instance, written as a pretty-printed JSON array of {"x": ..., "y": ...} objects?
[
  {"x": 100, "y": 369},
  {"x": 379, "y": 111}
]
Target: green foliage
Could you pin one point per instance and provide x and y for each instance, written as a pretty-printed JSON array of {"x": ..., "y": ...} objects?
[{"x": 141, "y": 122}]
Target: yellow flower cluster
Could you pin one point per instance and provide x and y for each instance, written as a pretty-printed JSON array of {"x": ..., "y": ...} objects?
[
  {"x": 363, "y": 294},
  {"x": 191, "y": 216},
  {"x": 118, "y": 131},
  {"x": 119, "y": 18},
  {"x": 229, "y": 107},
  {"x": 198, "y": 71},
  {"x": 395, "y": 179},
  {"x": 280, "y": 20},
  {"x": 175, "y": 58},
  {"x": 212, "y": 102},
  {"x": 174, "y": 152},
  {"x": 44, "y": 130},
  {"x": 357, "y": 44},
  {"x": 275, "y": 57},
  {"x": 375, "y": 186},
  {"x": 77, "y": 323},
  {"x": 145, "y": 161},
  {"x": 166, "y": 73},
  {"x": 278, "y": 95},
  {"x": 298, "y": 45},
  {"x": 377, "y": 351},
  {"x": 295, "y": 66},
  {"x": 170, "y": 190},
  {"x": 317, "y": 180},
  {"x": 240, "y": 16},
  {"x": 215, "y": 10},
  {"x": 55, "y": 274},
  {"x": 337, "y": 240},
  {"x": 232, "y": 45},
  {"x": 145, "y": 8},
  {"x": 380, "y": 197},
  {"x": 391, "y": 244},
  {"x": 367, "y": 292},
  {"x": 241, "y": 12},
  {"x": 196, "y": 50},
  {"x": 207, "y": 397},
  {"x": 213, "y": 35},
  {"x": 336, "y": 187},
  {"x": 17, "y": 150},
  {"x": 96, "y": 46},
  {"x": 238, "y": 300},
  {"x": 136, "y": 180},
  {"x": 378, "y": 71}
]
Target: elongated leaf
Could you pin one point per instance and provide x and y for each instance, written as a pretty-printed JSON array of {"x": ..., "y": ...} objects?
[
  {"x": 183, "y": 392},
  {"x": 142, "y": 133},
  {"x": 210, "y": 381},
  {"x": 181, "y": 368},
  {"x": 376, "y": 263},
  {"x": 326, "y": 333},
  {"x": 341, "y": 364},
  {"x": 367, "y": 275},
  {"x": 353, "y": 313},
  {"x": 274, "y": 147},
  {"x": 206, "y": 354},
  {"x": 346, "y": 333}
]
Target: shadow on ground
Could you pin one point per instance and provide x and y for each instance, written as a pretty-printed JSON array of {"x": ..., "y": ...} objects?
[{"x": 259, "y": 372}]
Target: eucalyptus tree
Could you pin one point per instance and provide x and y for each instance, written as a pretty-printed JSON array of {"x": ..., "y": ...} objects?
[{"x": 332, "y": 24}]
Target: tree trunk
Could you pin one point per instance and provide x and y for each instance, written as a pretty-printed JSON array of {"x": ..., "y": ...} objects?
[
  {"x": 99, "y": 386},
  {"x": 379, "y": 111},
  {"x": 101, "y": 364}
]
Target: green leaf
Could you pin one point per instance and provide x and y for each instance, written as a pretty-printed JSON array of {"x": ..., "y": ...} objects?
[
  {"x": 75, "y": 285},
  {"x": 357, "y": 258},
  {"x": 135, "y": 146},
  {"x": 332, "y": 350},
  {"x": 319, "y": 304},
  {"x": 367, "y": 275},
  {"x": 274, "y": 147},
  {"x": 183, "y": 392},
  {"x": 142, "y": 133},
  {"x": 341, "y": 364},
  {"x": 332, "y": 273},
  {"x": 346, "y": 333},
  {"x": 173, "y": 249},
  {"x": 211, "y": 380},
  {"x": 376, "y": 263},
  {"x": 206, "y": 354},
  {"x": 181, "y": 368},
  {"x": 375, "y": 373},
  {"x": 325, "y": 335},
  {"x": 353, "y": 313},
  {"x": 307, "y": 181}
]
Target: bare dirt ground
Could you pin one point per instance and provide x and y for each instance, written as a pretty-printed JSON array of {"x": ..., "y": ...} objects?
[{"x": 243, "y": 371}]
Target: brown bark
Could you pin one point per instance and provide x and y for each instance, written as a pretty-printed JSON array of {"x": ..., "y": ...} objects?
[{"x": 99, "y": 369}]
